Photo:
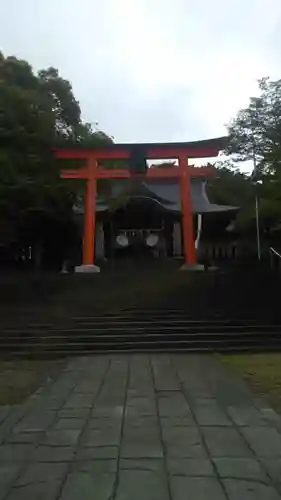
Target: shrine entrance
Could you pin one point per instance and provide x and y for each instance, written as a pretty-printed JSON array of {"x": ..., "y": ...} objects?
[
  {"x": 136, "y": 156},
  {"x": 140, "y": 230}
]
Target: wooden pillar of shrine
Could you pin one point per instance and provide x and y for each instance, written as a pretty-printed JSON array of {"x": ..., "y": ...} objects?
[
  {"x": 187, "y": 221},
  {"x": 90, "y": 213}
]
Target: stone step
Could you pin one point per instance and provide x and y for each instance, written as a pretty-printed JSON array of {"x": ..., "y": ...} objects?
[
  {"x": 135, "y": 329},
  {"x": 217, "y": 312},
  {"x": 142, "y": 348},
  {"x": 104, "y": 336},
  {"x": 219, "y": 341}
]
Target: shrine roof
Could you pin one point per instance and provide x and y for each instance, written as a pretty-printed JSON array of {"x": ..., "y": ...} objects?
[
  {"x": 196, "y": 149},
  {"x": 165, "y": 193}
]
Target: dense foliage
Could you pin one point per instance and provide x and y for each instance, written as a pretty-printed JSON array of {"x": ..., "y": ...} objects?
[
  {"x": 37, "y": 111},
  {"x": 255, "y": 134}
]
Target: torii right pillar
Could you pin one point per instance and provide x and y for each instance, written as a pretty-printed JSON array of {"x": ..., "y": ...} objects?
[{"x": 189, "y": 250}]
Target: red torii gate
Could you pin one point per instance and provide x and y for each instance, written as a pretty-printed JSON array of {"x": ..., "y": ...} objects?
[{"x": 92, "y": 171}]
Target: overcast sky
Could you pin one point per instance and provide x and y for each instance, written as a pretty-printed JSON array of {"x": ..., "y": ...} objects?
[{"x": 151, "y": 70}]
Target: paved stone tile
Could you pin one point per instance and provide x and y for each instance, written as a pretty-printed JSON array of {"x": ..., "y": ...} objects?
[
  {"x": 186, "y": 421},
  {"x": 40, "y": 491},
  {"x": 247, "y": 416},
  {"x": 167, "y": 382},
  {"x": 144, "y": 449},
  {"x": 240, "y": 468},
  {"x": 14, "y": 417},
  {"x": 66, "y": 424},
  {"x": 196, "y": 488},
  {"x": 37, "y": 421},
  {"x": 271, "y": 417},
  {"x": 8, "y": 474},
  {"x": 249, "y": 490},
  {"x": 139, "y": 484},
  {"x": 162, "y": 367},
  {"x": 225, "y": 442},
  {"x": 104, "y": 423},
  {"x": 141, "y": 442},
  {"x": 207, "y": 402},
  {"x": 140, "y": 434},
  {"x": 24, "y": 437},
  {"x": 273, "y": 468},
  {"x": 45, "y": 453},
  {"x": 265, "y": 441},
  {"x": 87, "y": 453},
  {"x": 140, "y": 406},
  {"x": 101, "y": 437},
  {"x": 164, "y": 376},
  {"x": 95, "y": 467},
  {"x": 133, "y": 412},
  {"x": 148, "y": 464},
  {"x": 73, "y": 413},
  {"x": 172, "y": 405},
  {"x": 61, "y": 438},
  {"x": 79, "y": 401},
  {"x": 52, "y": 403},
  {"x": 211, "y": 417},
  {"x": 73, "y": 426},
  {"x": 141, "y": 421},
  {"x": 190, "y": 467},
  {"x": 88, "y": 486},
  {"x": 4, "y": 412},
  {"x": 142, "y": 390},
  {"x": 15, "y": 452},
  {"x": 42, "y": 472},
  {"x": 110, "y": 411},
  {"x": 183, "y": 442},
  {"x": 109, "y": 400},
  {"x": 86, "y": 386},
  {"x": 194, "y": 393}
]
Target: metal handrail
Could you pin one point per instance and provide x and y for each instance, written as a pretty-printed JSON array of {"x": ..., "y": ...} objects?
[
  {"x": 275, "y": 259},
  {"x": 275, "y": 252}
]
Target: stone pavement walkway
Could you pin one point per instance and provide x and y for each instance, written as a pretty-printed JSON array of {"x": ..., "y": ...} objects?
[{"x": 141, "y": 427}]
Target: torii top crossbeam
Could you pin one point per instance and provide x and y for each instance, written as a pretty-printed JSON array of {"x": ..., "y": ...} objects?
[{"x": 181, "y": 151}]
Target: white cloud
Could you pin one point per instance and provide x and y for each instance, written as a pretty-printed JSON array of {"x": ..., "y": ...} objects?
[{"x": 151, "y": 70}]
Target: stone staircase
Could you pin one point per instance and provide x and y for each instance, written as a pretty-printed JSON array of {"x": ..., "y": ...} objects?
[{"x": 164, "y": 310}]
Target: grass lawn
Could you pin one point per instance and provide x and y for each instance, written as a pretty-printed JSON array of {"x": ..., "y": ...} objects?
[
  {"x": 261, "y": 371},
  {"x": 20, "y": 378}
]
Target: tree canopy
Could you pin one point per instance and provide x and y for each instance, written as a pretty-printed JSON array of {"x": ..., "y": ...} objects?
[
  {"x": 256, "y": 130},
  {"x": 37, "y": 111},
  {"x": 255, "y": 134}
]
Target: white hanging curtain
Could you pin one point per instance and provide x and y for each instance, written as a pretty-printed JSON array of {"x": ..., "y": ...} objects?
[{"x": 199, "y": 230}]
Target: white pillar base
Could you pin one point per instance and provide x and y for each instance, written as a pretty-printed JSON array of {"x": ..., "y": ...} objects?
[
  {"x": 87, "y": 268},
  {"x": 192, "y": 267},
  {"x": 213, "y": 268},
  {"x": 64, "y": 269}
]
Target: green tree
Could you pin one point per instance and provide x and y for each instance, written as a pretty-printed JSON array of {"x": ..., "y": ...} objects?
[
  {"x": 65, "y": 110},
  {"x": 256, "y": 130},
  {"x": 36, "y": 112},
  {"x": 256, "y": 133},
  {"x": 229, "y": 186}
]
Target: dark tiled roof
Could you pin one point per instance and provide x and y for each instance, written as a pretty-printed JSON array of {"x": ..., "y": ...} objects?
[{"x": 165, "y": 192}]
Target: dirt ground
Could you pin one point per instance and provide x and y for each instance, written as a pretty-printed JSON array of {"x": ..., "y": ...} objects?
[
  {"x": 20, "y": 378},
  {"x": 261, "y": 371}
]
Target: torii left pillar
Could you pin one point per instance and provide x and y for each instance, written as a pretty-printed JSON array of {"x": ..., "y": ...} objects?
[
  {"x": 90, "y": 213},
  {"x": 189, "y": 250}
]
